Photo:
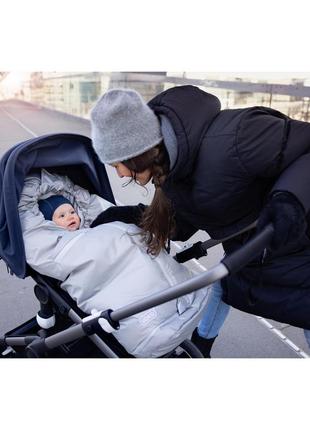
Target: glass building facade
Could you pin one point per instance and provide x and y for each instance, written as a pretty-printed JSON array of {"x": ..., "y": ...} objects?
[{"x": 76, "y": 93}]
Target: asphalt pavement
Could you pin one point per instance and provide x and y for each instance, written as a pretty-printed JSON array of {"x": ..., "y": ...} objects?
[{"x": 242, "y": 336}]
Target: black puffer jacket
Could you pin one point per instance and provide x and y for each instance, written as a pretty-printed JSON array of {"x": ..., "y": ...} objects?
[{"x": 228, "y": 162}]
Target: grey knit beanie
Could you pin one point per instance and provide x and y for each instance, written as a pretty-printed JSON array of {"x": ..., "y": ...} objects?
[{"x": 123, "y": 126}]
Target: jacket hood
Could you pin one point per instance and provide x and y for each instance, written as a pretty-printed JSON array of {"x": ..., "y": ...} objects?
[{"x": 190, "y": 112}]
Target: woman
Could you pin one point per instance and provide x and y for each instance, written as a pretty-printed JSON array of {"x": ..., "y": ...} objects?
[{"x": 218, "y": 171}]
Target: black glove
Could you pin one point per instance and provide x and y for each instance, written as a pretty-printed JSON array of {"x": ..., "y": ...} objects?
[
  {"x": 127, "y": 214},
  {"x": 288, "y": 217}
]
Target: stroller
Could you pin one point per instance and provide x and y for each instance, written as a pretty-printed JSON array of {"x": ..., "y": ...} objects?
[{"x": 61, "y": 329}]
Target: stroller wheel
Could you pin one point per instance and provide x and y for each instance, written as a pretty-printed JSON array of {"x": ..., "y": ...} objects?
[
  {"x": 187, "y": 349},
  {"x": 5, "y": 351}
]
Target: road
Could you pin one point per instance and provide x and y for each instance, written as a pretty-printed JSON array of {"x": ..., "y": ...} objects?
[{"x": 243, "y": 335}]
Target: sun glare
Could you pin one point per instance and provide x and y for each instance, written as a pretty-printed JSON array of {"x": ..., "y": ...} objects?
[{"x": 13, "y": 80}]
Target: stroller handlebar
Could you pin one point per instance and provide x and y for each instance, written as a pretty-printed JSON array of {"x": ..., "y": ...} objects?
[
  {"x": 249, "y": 251},
  {"x": 200, "y": 249}
]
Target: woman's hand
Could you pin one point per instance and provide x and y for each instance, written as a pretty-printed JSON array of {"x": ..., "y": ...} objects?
[
  {"x": 126, "y": 214},
  {"x": 288, "y": 217}
]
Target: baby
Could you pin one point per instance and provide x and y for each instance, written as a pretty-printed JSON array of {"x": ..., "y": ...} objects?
[{"x": 59, "y": 210}]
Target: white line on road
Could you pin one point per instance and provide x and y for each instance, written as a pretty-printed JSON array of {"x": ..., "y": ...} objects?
[
  {"x": 283, "y": 338},
  {"x": 19, "y": 122}
]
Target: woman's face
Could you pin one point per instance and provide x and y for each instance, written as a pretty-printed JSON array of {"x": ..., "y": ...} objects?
[{"x": 123, "y": 172}]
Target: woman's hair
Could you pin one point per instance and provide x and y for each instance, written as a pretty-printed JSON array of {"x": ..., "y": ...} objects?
[{"x": 157, "y": 222}]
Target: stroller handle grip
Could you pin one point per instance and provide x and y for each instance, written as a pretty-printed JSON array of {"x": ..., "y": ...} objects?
[{"x": 250, "y": 250}]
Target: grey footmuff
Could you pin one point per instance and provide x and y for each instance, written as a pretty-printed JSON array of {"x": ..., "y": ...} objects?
[{"x": 107, "y": 267}]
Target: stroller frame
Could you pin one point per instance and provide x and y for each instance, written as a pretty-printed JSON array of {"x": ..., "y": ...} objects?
[
  {"x": 21, "y": 342},
  {"x": 38, "y": 337}
]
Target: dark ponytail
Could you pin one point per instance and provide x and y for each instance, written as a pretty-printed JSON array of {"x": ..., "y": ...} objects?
[{"x": 157, "y": 222}]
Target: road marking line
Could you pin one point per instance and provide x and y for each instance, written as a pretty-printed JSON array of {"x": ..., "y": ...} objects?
[
  {"x": 288, "y": 342},
  {"x": 19, "y": 123}
]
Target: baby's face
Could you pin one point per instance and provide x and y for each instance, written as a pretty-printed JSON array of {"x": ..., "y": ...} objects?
[{"x": 66, "y": 217}]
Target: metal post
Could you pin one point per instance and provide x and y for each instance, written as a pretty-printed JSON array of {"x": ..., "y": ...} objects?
[
  {"x": 307, "y": 113},
  {"x": 270, "y": 97}
]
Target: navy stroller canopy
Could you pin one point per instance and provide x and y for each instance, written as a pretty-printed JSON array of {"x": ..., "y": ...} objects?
[{"x": 66, "y": 154}]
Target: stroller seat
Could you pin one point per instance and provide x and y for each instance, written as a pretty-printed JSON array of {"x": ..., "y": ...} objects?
[{"x": 74, "y": 332}]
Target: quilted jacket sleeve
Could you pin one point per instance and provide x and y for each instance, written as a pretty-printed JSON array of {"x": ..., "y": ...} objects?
[
  {"x": 271, "y": 145},
  {"x": 296, "y": 179}
]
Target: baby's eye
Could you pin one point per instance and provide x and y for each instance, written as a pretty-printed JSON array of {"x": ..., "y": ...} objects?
[
  {"x": 62, "y": 215},
  {"x": 72, "y": 212}
]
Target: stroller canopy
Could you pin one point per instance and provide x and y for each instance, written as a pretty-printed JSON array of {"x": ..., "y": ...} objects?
[{"x": 66, "y": 154}]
